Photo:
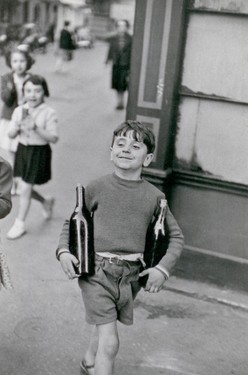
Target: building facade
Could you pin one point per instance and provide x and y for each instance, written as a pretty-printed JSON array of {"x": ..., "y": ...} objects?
[
  {"x": 190, "y": 85},
  {"x": 41, "y": 12}
]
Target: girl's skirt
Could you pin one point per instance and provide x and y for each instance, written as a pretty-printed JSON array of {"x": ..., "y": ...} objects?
[
  {"x": 120, "y": 76},
  {"x": 33, "y": 163},
  {"x": 6, "y": 142}
]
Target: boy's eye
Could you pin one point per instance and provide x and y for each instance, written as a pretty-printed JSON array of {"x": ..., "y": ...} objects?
[
  {"x": 120, "y": 143},
  {"x": 136, "y": 146}
]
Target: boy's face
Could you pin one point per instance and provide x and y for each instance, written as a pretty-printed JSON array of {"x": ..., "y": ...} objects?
[
  {"x": 128, "y": 154},
  {"x": 34, "y": 94}
]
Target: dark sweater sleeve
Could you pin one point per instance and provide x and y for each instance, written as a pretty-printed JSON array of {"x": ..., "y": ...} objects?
[
  {"x": 64, "y": 236},
  {"x": 176, "y": 243},
  {"x": 5, "y": 188}
]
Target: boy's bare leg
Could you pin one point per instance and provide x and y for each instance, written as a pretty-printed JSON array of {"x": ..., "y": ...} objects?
[
  {"x": 90, "y": 355},
  {"x": 108, "y": 346}
]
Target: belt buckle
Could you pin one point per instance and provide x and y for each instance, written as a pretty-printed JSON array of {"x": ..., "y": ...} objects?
[
  {"x": 116, "y": 260},
  {"x": 110, "y": 260}
]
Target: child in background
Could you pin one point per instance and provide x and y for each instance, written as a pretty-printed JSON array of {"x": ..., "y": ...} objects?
[
  {"x": 35, "y": 124},
  {"x": 123, "y": 205},
  {"x": 12, "y": 95}
]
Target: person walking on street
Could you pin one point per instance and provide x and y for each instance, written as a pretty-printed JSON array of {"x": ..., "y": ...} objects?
[
  {"x": 122, "y": 205},
  {"x": 66, "y": 47},
  {"x": 120, "y": 54},
  {"x": 5, "y": 207},
  {"x": 35, "y": 123},
  {"x": 12, "y": 95}
]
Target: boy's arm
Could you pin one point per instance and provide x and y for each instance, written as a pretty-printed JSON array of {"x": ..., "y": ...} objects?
[
  {"x": 66, "y": 259},
  {"x": 161, "y": 272},
  {"x": 176, "y": 243},
  {"x": 64, "y": 236}
]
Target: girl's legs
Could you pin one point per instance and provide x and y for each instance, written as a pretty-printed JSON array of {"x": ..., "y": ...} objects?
[
  {"x": 18, "y": 229},
  {"x": 25, "y": 200},
  {"x": 120, "y": 100},
  {"x": 46, "y": 202},
  {"x": 26, "y": 194},
  {"x": 108, "y": 346}
]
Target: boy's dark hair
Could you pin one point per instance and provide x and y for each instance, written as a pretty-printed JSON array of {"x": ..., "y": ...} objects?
[
  {"x": 141, "y": 132},
  {"x": 38, "y": 80},
  {"x": 30, "y": 60}
]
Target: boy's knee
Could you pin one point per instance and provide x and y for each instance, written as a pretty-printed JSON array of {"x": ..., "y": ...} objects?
[{"x": 110, "y": 345}]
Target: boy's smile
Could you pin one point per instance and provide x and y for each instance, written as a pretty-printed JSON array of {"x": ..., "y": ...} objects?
[{"x": 129, "y": 156}]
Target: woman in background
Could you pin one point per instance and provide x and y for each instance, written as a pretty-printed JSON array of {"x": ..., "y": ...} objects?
[{"x": 120, "y": 55}]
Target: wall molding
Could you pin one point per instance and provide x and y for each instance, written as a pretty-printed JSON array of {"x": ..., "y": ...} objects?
[
  {"x": 216, "y": 254},
  {"x": 191, "y": 178}
]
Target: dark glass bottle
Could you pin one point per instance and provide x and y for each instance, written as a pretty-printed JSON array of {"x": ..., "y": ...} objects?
[
  {"x": 81, "y": 243},
  {"x": 157, "y": 240}
]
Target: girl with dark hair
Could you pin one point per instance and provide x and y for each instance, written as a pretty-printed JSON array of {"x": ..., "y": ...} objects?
[
  {"x": 35, "y": 124},
  {"x": 12, "y": 95}
]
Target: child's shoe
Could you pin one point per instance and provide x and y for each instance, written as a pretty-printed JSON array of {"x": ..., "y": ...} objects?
[
  {"x": 48, "y": 208},
  {"x": 17, "y": 230},
  {"x": 85, "y": 369}
]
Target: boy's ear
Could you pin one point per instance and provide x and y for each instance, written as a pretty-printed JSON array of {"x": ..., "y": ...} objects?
[{"x": 148, "y": 160}]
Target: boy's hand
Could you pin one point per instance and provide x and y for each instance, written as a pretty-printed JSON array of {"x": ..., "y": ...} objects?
[
  {"x": 155, "y": 280},
  {"x": 68, "y": 261}
]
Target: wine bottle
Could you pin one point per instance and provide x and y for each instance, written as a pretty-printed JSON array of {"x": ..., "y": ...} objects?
[
  {"x": 81, "y": 243},
  {"x": 157, "y": 240}
]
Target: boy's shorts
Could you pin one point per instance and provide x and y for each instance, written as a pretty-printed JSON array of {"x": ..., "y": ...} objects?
[{"x": 109, "y": 294}]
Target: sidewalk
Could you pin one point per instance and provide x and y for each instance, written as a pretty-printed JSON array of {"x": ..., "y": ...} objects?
[
  {"x": 208, "y": 293},
  {"x": 189, "y": 328}
]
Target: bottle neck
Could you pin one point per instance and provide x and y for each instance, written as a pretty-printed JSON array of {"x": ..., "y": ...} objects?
[
  {"x": 159, "y": 226},
  {"x": 80, "y": 198}
]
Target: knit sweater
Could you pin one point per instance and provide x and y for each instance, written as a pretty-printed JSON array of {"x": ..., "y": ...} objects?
[
  {"x": 122, "y": 210},
  {"x": 5, "y": 187}
]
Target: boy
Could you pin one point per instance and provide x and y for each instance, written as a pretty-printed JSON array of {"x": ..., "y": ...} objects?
[{"x": 123, "y": 205}]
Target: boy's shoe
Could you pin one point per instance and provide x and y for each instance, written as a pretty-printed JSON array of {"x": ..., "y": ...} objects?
[
  {"x": 48, "y": 208},
  {"x": 17, "y": 230},
  {"x": 84, "y": 368}
]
